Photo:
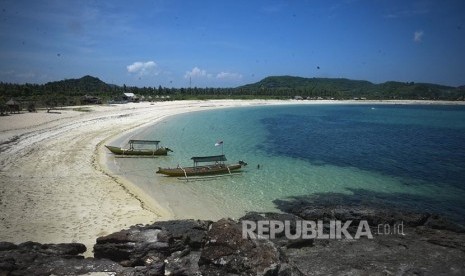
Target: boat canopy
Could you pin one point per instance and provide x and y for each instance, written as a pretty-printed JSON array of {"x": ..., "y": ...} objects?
[
  {"x": 143, "y": 142},
  {"x": 215, "y": 158},
  {"x": 151, "y": 142}
]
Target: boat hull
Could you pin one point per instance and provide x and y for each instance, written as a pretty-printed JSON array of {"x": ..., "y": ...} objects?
[
  {"x": 138, "y": 152},
  {"x": 200, "y": 170}
]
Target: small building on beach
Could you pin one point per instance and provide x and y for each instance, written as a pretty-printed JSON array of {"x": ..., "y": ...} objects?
[
  {"x": 130, "y": 97},
  {"x": 13, "y": 106}
]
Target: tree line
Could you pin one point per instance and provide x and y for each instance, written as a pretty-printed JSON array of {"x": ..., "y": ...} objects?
[{"x": 71, "y": 92}]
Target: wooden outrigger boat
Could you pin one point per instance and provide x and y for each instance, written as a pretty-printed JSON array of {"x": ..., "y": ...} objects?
[
  {"x": 157, "y": 150},
  {"x": 217, "y": 167}
]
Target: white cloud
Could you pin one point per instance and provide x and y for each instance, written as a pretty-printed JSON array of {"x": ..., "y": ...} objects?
[
  {"x": 418, "y": 36},
  {"x": 228, "y": 76},
  {"x": 196, "y": 72},
  {"x": 143, "y": 68}
]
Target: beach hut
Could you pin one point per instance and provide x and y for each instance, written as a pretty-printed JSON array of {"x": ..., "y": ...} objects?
[
  {"x": 13, "y": 106},
  {"x": 130, "y": 97}
]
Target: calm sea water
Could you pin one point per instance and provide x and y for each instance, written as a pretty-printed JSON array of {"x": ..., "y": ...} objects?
[{"x": 408, "y": 157}]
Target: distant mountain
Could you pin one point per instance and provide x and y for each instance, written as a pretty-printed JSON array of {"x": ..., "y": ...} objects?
[
  {"x": 346, "y": 88},
  {"x": 71, "y": 91},
  {"x": 290, "y": 82},
  {"x": 86, "y": 84}
]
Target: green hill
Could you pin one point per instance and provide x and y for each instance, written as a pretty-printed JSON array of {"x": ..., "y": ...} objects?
[
  {"x": 341, "y": 88},
  {"x": 86, "y": 84},
  {"x": 71, "y": 91},
  {"x": 65, "y": 92},
  {"x": 290, "y": 82}
]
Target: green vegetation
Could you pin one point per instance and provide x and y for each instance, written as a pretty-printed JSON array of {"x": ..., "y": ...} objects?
[
  {"x": 79, "y": 91},
  {"x": 348, "y": 89}
]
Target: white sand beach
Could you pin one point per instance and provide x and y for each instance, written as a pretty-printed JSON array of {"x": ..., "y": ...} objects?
[
  {"x": 53, "y": 183},
  {"x": 52, "y": 186}
]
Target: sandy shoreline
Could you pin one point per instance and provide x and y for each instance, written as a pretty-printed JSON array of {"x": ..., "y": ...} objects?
[{"x": 54, "y": 186}]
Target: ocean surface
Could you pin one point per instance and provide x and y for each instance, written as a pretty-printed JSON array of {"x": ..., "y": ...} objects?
[{"x": 410, "y": 157}]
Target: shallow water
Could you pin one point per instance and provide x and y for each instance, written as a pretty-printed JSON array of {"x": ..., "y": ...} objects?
[{"x": 410, "y": 157}]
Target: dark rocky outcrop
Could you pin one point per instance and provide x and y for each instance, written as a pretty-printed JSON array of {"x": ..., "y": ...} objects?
[
  {"x": 140, "y": 245},
  {"x": 33, "y": 258},
  {"x": 427, "y": 245},
  {"x": 226, "y": 251},
  {"x": 189, "y": 247}
]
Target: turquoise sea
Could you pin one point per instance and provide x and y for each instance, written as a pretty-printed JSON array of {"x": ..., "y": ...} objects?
[{"x": 410, "y": 157}]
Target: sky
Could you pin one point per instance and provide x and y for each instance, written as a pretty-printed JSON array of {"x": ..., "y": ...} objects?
[{"x": 174, "y": 43}]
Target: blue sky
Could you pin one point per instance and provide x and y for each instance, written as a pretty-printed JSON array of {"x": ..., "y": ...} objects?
[{"x": 230, "y": 43}]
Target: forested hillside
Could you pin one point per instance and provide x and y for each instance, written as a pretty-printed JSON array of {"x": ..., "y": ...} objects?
[{"x": 71, "y": 91}]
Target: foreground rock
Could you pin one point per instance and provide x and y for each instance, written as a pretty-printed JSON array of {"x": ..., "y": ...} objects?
[
  {"x": 404, "y": 243},
  {"x": 168, "y": 246},
  {"x": 32, "y": 258},
  {"x": 427, "y": 245},
  {"x": 226, "y": 251},
  {"x": 193, "y": 248}
]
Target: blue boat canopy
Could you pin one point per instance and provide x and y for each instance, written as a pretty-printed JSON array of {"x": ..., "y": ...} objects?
[{"x": 215, "y": 158}]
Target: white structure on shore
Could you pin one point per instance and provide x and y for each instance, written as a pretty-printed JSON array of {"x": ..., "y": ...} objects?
[{"x": 131, "y": 97}]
